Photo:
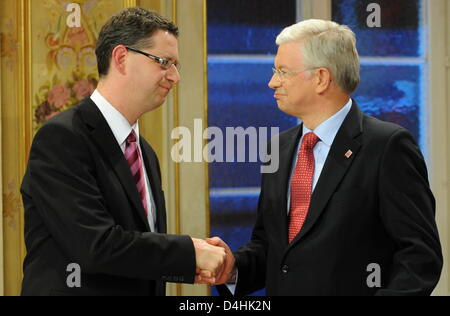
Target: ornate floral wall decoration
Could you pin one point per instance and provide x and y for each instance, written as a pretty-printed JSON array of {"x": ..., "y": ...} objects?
[{"x": 70, "y": 62}]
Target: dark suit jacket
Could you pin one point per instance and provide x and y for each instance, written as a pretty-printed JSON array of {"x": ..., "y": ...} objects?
[
  {"x": 374, "y": 207},
  {"x": 82, "y": 206}
]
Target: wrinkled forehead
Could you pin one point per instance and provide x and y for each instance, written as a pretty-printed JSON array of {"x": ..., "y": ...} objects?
[{"x": 289, "y": 55}]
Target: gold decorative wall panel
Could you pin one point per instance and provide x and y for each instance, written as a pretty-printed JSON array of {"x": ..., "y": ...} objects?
[
  {"x": 12, "y": 142},
  {"x": 1, "y": 198}
]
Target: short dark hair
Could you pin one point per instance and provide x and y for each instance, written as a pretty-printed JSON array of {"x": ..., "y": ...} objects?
[{"x": 130, "y": 27}]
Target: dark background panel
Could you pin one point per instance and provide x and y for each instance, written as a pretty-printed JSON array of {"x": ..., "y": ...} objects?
[
  {"x": 399, "y": 34},
  {"x": 234, "y": 216},
  {"x": 247, "y": 26},
  {"x": 392, "y": 93}
]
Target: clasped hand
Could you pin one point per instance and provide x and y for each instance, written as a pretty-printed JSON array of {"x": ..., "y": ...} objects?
[{"x": 215, "y": 261}]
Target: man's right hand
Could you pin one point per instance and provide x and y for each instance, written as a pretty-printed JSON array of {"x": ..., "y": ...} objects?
[
  {"x": 210, "y": 259},
  {"x": 228, "y": 273}
]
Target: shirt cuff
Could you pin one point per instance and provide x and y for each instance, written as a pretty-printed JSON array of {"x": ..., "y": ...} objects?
[{"x": 232, "y": 285}]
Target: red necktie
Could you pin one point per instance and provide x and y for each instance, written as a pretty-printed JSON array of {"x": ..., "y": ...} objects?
[
  {"x": 133, "y": 156},
  {"x": 301, "y": 185}
]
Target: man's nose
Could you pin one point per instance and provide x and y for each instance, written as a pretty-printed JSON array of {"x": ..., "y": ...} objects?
[
  {"x": 274, "y": 82},
  {"x": 173, "y": 75}
]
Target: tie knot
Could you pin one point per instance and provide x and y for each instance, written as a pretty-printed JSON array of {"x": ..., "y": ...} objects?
[
  {"x": 309, "y": 141},
  {"x": 131, "y": 138}
]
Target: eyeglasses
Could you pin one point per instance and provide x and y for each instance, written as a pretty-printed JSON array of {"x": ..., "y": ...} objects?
[
  {"x": 281, "y": 74},
  {"x": 164, "y": 63}
]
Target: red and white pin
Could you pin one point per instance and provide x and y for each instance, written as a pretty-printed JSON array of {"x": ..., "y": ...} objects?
[{"x": 348, "y": 154}]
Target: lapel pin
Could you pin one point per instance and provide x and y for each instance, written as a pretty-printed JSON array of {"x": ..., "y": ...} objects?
[{"x": 348, "y": 154}]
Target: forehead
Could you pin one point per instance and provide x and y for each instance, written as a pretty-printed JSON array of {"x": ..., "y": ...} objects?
[
  {"x": 165, "y": 43},
  {"x": 289, "y": 55}
]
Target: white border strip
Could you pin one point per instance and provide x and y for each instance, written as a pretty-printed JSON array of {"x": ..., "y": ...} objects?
[
  {"x": 242, "y": 58},
  {"x": 226, "y": 192},
  {"x": 386, "y": 61},
  {"x": 382, "y": 61}
]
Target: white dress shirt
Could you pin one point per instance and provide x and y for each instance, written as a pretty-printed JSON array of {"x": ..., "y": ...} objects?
[{"x": 121, "y": 129}]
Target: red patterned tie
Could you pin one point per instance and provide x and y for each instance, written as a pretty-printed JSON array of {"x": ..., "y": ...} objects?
[
  {"x": 301, "y": 185},
  {"x": 133, "y": 156}
]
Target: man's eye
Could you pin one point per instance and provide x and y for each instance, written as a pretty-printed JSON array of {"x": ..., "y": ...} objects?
[{"x": 164, "y": 62}]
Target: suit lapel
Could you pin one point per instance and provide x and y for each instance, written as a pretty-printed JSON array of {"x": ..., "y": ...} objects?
[
  {"x": 335, "y": 168},
  {"x": 107, "y": 143},
  {"x": 287, "y": 152},
  {"x": 154, "y": 178}
]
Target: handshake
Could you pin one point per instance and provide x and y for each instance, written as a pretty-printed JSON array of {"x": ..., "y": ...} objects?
[{"x": 215, "y": 262}]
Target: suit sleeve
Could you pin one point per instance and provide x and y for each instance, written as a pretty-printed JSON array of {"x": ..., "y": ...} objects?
[
  {"x": 63, "y": 187},
  {"x": 407, "y": 209},
  {"x": 251, "y": 258}
]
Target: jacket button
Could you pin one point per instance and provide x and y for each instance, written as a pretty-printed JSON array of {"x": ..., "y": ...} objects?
[{"x": 285, "y": 269}]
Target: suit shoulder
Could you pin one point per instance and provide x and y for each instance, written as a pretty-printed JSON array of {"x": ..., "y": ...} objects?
[
  {"x": 290, "y": 132},
  {"x": 147, "y": 146},
  {"x": 381, "y": 129},
  {"x": 288, "y": 135},
  {"x": 64, "y": 128},
  {"x": 283, "y": 138},
  {"x": 71, "y": 118}
]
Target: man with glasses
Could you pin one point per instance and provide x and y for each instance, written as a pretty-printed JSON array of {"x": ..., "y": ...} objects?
[
  {"x": 350, "y": 210},
  {"x": 92, "y": 191}
]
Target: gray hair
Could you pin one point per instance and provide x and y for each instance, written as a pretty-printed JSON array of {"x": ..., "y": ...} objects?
[{"x": 329, "y": 45}]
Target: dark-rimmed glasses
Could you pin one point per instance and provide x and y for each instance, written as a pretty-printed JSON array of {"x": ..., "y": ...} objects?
[{"x": 164, "y": 63}]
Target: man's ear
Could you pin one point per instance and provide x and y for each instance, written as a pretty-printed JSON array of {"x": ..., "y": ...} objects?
[
  {"x": 118, "y": 58},
  {"x": 323, "y": 79}
]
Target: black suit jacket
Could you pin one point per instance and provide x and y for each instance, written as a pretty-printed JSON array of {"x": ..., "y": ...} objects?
[
  {"x": 373, "y": 207},
  {"x": 82, "y": 206}
]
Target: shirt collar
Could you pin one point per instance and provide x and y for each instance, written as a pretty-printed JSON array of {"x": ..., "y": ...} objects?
[
  {"x": 117, "y": 122},
  {"x": 328, "y": 129}
]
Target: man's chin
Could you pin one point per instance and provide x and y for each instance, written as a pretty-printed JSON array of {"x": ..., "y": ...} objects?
[
  {"x": 282, "y": 107},
  {"x": 155, "y": 106},
  {"x": 286, "y": 109}
]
